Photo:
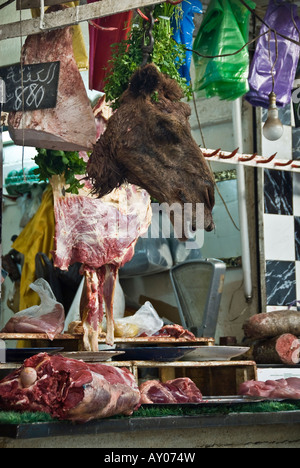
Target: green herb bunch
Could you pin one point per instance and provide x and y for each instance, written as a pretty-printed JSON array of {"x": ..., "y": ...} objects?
[
  {"x": 66, "y": 163},
  {"x": 127, "y": 55}
]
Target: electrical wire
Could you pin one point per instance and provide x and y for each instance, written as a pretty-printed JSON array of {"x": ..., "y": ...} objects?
[
  {"x": 23, "y": 97},
  {"x": 204, "y": 145},
  {"x": 270, "y": 57},
  {"x": 226, "y": 55},
  {"x": 272, "y": 29}
]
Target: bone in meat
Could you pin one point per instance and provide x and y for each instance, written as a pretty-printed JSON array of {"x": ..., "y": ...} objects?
[{"x": 69, "y": 389}]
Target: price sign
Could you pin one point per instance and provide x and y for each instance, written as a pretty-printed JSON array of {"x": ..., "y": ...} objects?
[{"x": 32, "y": 87}]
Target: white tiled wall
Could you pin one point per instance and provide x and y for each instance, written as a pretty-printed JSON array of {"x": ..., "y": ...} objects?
[{"x": 281, "y": 226}]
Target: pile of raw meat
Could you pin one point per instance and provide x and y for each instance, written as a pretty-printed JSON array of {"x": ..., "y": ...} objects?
[
  {"x": 69, "y": 389},
  {"x": 273, "y": 389},
  {"x": 175, "y": 331},
  {"x": 174, "y": 391}
]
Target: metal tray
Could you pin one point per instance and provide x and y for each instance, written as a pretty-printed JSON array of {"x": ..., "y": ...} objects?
[
  {"x": 215, "y": 353},
  {"x": 215, "y": 400},
  {"x": 153, "y": 353},
  {"x": 92, "y": 357},
  {"x": 20, "y": 354}
]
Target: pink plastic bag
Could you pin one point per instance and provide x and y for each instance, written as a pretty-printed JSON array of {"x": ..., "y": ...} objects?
[{"x": 48, "y": 317}]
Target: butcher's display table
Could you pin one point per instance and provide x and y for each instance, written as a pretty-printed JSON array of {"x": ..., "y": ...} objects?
[
  {"x": 229, "y": 430},
  {"x": 181, "y": 426},
  {"x": 75, "y": 342},
  {"x": 184, "y": 428}
]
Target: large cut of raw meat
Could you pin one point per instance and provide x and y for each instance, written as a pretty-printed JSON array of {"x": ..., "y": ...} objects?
[
  {"x": 182, "y": 390},
  {"x": 282, "y": 388},
  {"x": 70, "y": 126},
  {"x": 271, "y": 324},
  {"x": 283, "y": 349},
  {"x": 101, "y": 234},
  {"x": 69, "y": 389}
]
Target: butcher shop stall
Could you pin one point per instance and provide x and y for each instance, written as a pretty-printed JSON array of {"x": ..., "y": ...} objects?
[{"x": 150, "y": 226}]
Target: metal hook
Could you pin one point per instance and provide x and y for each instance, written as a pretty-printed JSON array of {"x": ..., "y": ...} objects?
[{"x": 147, "y": 48}]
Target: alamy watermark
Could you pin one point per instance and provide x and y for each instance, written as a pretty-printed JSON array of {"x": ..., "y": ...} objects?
[
  {"x": 179, "y": 221},
  {"x": 2, "y": 352}
]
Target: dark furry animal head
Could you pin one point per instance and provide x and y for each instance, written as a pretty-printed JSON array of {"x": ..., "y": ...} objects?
[{"x": 148, "y": 142}]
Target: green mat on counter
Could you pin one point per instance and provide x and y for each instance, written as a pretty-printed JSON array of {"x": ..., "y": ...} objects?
[{"x": 10, "y": 417}]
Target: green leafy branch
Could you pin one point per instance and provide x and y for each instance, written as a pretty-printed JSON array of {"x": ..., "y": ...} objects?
[
  {"x": 127, "y": 55},
  {"x": 66, "y": 163}
]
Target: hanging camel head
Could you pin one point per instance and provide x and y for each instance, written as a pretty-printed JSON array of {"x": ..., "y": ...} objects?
[{"x": 148, "y": 142}]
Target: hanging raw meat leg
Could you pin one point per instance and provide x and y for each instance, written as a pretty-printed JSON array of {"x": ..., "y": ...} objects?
[
  {"x": 91, "y": 309},
  {"x": 109, "y": 274},
  {"x": 99, "y": 290},
  {"x": 101, "y": 234}
]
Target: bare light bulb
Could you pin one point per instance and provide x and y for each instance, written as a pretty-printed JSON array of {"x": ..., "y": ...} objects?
[{"x": 273, "y": 128}]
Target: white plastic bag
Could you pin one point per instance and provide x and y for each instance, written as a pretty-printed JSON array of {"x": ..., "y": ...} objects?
[
  {"x": 145, "y": 320},
  {"x": 48, "y": 317}
]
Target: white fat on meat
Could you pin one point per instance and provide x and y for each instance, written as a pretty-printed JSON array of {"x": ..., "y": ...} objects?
[
  {"x": 70, "y": 126},
  {"x": 101, "y": 234},
  {"x": 69, "y": 389}
]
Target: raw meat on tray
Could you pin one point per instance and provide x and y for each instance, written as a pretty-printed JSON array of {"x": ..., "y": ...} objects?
[
  {"x": 69, "y": 389},
  {"x": 273, "y": 389},
  {"x": 47, "y": 318},
  {"x": 182, "y": 390}
]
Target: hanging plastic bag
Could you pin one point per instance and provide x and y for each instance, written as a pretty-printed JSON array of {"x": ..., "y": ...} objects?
[
  {"x": 281, "y": 17},
  {"x": 103, "y": 33},
  {"x": 145, "y": 320},
  {"x": 37, "y": 236},
  {"x": 48, "y": 317},
  {"x": 183, "y": 30},
  {"x": 224, "y": 30}
]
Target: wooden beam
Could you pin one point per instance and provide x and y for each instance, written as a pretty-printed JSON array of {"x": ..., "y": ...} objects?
[
  {"x": 28, "y": 4},
  {"x": 71, "y": 16}
]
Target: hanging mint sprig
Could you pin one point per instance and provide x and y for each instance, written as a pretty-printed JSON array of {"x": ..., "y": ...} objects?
[
  {"x": 127, "y": 56},
  {"x": 66, "y": 163}
]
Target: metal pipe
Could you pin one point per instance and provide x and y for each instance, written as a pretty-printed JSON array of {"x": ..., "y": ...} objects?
[
  {"x": 245, "y": 242},
  {"x": 42, "y": 14}
]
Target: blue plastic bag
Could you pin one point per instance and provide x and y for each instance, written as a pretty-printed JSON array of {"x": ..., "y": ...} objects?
[{"x": 183, "y": 32}]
